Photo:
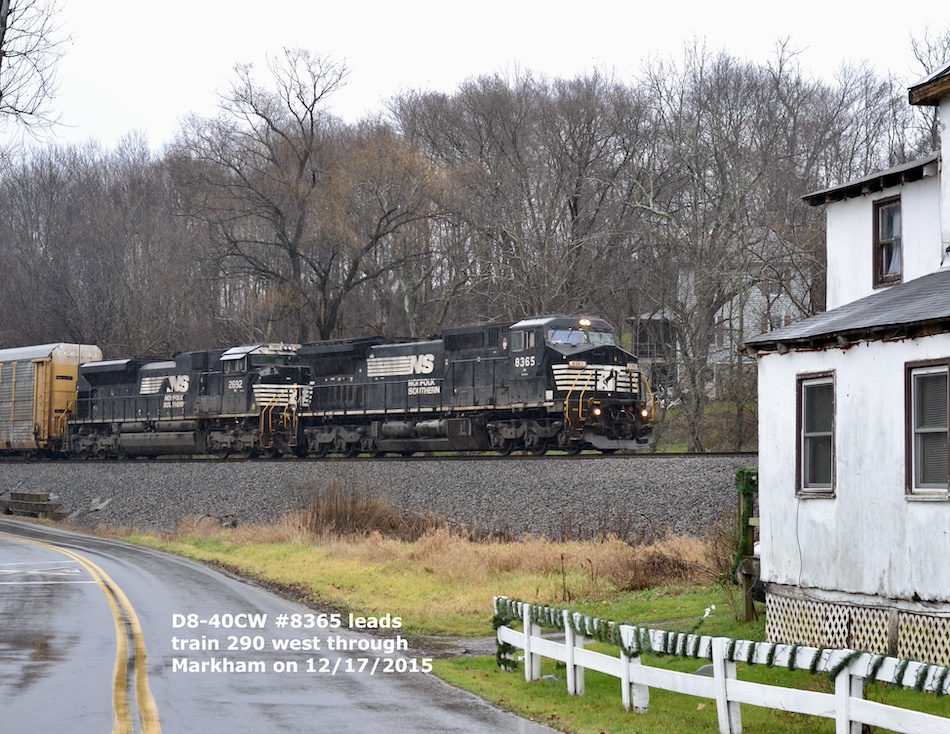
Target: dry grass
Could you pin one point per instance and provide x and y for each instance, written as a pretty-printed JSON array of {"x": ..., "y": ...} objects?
[{"x": 356, "y": 528}]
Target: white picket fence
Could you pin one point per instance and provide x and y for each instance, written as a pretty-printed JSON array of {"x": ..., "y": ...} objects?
[{"x": 846, "y": 705}]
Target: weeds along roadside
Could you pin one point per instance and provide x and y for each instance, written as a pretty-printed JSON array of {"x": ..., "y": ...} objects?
[{"x": 349, "y": 549}]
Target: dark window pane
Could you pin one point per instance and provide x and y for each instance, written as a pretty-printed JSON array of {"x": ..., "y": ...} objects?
[
  {"x": 819, "y": 407},
  {"x": 931, "y": 400},
  {"x": 932, "y": 459},
  {"x": 930, "y": 429},
  {"x": 818, "y": 461}
]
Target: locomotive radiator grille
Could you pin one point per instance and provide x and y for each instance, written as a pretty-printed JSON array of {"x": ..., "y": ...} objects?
[
  {"x": 399, "y": 366},
  {"x": 283, "y": 395},
  {"x": 596, "y": 377}
]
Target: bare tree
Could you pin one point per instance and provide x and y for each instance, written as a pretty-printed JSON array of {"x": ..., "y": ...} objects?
[
  {"x": 932, "y": 52},
  {"x": 29, "y": 52},
  {"x": 302, "y": 209},
  {"x": 96, "y": 255},
  {"x": 541, "y": 171}
]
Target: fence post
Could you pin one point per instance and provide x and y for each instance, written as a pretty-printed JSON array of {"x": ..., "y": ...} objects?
[
  {"x": 730, "y": 718},
  {"x": 572, "y": 640},
  {"x": 847, "y": 686},
  {"x": 747, "y": 484},
  {"x": 636, "y": 696},
  {"x": 532, "y": 661}
]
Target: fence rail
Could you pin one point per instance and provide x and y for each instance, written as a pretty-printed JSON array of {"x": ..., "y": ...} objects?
[{"x": 849, "y": 669}]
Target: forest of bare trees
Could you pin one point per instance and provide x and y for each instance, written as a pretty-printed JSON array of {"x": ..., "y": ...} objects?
[{"x": 671, "y": 193}]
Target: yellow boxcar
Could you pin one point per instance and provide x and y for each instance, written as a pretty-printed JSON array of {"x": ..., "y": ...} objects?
[{"x": 38, "y": 393}]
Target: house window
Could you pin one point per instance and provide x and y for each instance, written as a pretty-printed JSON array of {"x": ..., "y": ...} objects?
[
  {"x": 887, "y": 241},
  {"x": 816, "y": 431},
  {"x": 928, "y": 446}
]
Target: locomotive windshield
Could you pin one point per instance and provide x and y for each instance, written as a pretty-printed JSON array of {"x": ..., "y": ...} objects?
[{"x": 575, "y": 337}]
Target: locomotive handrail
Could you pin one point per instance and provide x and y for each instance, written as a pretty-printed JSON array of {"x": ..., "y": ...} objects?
[
  {"x": 644, "y": 382},
  {"x": 580, "y": 398},
  {"x": 288, "y": 414}
]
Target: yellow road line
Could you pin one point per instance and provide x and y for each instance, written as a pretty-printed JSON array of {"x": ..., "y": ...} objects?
[{"x": 122, "y": 613}]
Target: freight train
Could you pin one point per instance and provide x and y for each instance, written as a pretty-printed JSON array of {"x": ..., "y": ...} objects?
[{"x": 553, "y": 382}]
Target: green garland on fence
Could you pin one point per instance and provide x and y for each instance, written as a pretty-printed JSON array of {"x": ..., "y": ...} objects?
[
  {"x": 816, "y": 661},
  {"x": 899, "y": 673},
  {"x": 687, "y": 644},
  {"x": 940, "y": 682},
  {"x": 875, "y": 667},
  {"x": 845, "y": 661},
  {"x": 793, "y": 656},
  {"x": 505, "y": 614}
]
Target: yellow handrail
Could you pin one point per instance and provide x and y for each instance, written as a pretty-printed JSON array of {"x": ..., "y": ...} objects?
[
  {"x": 580, "y": 398},
  {"x": 288, "y": 417}
]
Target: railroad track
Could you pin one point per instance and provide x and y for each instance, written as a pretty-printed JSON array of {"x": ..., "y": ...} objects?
[{"x": 340, "y": 460}]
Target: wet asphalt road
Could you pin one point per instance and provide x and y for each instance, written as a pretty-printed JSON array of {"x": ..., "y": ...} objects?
[{"x": 98, "y": 635}]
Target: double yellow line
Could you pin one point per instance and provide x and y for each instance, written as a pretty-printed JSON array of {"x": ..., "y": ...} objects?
[{"x": 126, "y": 626}]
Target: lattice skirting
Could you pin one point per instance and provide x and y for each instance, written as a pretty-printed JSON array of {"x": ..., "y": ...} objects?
[{"x": 833, "y": 624}]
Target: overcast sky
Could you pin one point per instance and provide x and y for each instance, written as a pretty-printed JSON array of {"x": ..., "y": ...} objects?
[{"x": 132, "y": 65}]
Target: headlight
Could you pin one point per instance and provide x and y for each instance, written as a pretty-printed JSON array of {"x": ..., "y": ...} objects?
[
  {"x": 597, "y": 411},
  {"x": 644, "y": 413}
]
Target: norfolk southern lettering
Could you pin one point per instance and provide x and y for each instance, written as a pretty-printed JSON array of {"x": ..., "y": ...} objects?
[{"x": 217, "y": 665}]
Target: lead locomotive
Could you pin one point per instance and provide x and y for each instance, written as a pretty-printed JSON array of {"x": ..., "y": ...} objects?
[{"x": 551, "y": 382}]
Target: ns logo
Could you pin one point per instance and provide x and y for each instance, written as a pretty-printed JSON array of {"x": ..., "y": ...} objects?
[
  {"x": 422, "y": 364},
  {"x": 178, "y": 383}
]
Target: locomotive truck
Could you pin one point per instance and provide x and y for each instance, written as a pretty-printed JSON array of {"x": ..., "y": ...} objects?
[{"x": 549, "y": 382}]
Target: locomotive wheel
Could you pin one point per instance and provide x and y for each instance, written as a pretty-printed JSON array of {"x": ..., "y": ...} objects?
[
  {"x": 540, "y": 448},
  {"x": 221, "y": 453},
  {"x": 573, "y": 448},
  {"x": 507, "y": 446}
]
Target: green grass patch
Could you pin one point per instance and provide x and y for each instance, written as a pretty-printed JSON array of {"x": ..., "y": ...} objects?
[{"x": 441, "y": 582}]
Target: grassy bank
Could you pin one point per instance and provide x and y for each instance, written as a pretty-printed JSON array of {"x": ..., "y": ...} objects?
[{"x": 356, "y": 554}]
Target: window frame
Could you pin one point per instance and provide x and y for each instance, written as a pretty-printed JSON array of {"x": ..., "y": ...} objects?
[
  {"x": 911, "y": 371},
  {"x": 523, "y": 340},
  {"x": 803, "y": 382},
  {"x": 882, "y": 279}
]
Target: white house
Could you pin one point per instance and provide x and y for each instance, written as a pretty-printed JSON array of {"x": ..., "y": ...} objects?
[{"x": 854, "y": 477}]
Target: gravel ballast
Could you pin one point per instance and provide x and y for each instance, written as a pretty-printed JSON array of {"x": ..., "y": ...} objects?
[{"x": 560, "y": 498}]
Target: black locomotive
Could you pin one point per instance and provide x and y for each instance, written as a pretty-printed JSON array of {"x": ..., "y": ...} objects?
[
  {"x": 243, "y": 401},
  {"x": 551, "y": 382}
]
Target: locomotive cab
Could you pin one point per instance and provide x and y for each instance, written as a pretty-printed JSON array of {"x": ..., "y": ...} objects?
[
  {"x": 254, "y": 377},
  {"x": 591, "y": 381}
]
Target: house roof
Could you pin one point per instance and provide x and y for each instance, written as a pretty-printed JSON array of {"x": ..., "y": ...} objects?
[
  {"x": 903, "y": 173},
  {"x": 932, "y": 89},
  {"x": 915, "y": 308}
]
